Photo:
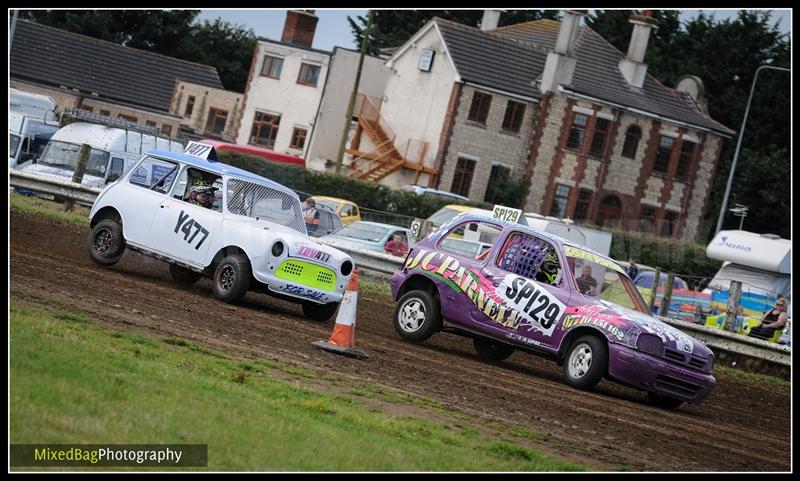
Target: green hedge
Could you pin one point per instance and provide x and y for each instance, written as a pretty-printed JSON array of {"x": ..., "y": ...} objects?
[
  {"x": 370, "y": 195},
  {"x": 683, "y": 258}
]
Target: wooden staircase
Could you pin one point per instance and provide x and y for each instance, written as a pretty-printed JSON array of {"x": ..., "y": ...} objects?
[{"x": 386, "y": 157}]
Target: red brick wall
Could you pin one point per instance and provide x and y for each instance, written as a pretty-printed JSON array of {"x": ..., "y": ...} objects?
[{"x": 299, "y": 28}]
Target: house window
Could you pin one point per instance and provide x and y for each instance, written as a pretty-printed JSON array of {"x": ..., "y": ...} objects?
[
  {"x": 668, "y": 226},
  {"x": 515, "y": 111},
  {"x": 687, "y": 151},
  {"x": 150, "y": 123},
  {"x": 632, "y": 136},
  {"x": 599, "y": 137},
  {"x": 105, "y": 113},
  {"x": 559, "y": 206},
  {"x": 462, "y": 178},
  {"x": 582, "y": 207},
  {"x": 166, "y": 129},
  {"x": 479, "y": 110},
  {"x": 265, "y": 129},
  {"x": 298, "y": 138},
  {"x": 129, "y": 118},
  {"x": 189, "y": 106},
  {"x": 663, "y": 154},
  {"x": 216, "y": 121},
  {"x": 88, "y": 108},
  {"x": 497, "y": 176},
  {"x": 648, "y": 219},
  {"x": 576, "y": 131},
  {"x": 272, "y": 67},
  {"x": 309, "y": 74}
]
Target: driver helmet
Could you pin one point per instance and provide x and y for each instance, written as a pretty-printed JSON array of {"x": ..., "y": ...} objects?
[
  {"x": 202, "y": 193},
  {"x": 550, "y": 267}
]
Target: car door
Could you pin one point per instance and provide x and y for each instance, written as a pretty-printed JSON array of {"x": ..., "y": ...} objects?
[
  {"x": 139, "y": 199},
  {"x": 529, "y": 278},
  {"x": 466, "y": 291},
  {"x": 184, "y": 230}
]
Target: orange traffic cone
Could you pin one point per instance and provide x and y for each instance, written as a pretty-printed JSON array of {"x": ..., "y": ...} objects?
[{"x": 343, "y": 339}]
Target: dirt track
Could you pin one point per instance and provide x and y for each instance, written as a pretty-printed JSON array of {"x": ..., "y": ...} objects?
[{"x": 614, "y": 426}]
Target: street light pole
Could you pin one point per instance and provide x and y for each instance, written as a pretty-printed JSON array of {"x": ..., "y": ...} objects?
[{"x": 738, "y": 147}]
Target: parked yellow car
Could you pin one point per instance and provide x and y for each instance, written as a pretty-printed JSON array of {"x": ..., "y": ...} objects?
[{"x": 347, "y": 210}]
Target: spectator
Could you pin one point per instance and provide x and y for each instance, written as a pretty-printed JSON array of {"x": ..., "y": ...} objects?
[
  {"x": 633, "y": 269},
  {"x": 771, "y": 321},
  {"x": 586, "y": 283},
  {"x": 310, "y": 214},
  {"x": 396, "y": 246},
  {"x": 739, "y": 324}
]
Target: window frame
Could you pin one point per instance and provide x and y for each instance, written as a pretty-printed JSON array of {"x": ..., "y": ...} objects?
[
  {"x": 189, "y": 109},
  {"x": 557, "y": 196},
  {"x": 272, "y": 59},
  {"x": 213, "y": 113},
  {"x": 479, "y": 107},
  {"x": 494, "y": 175},
  {"x": 574, "y": 126},
  {"x": 685, "y": 159},
  {"x": 562, "y": 279},
  {"x": 583, "y": 203},
  {"x": 308, "y": 67},
  {"x": 633, "y": 132},
  {"x": 514, "y": 116},
  {"x": 464, "y": 180},
  {"x": 600, "y": 136},
  {"x": 662, "y": 152},
  {"x": 301, "y": 146},
  {"x": 259, "y": 124},
  {"x": 501, "y": 235}
]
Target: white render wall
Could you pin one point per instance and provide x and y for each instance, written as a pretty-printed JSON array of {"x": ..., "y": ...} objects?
[
  {"x": 330, "y": 120},
  {"x": 415, "y": 102},
  {"x": 297, "y": 104}
]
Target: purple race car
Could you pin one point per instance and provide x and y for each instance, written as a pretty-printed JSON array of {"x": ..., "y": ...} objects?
[{"x": 542, "y": 294}]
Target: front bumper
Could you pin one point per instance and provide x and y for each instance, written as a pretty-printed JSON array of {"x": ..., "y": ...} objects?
[
  {"x": 266, "y": 272},
  {"x": 655, "y": 374}
]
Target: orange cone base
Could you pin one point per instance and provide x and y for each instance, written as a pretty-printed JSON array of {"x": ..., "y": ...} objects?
[{"x": 350, "y": 352}]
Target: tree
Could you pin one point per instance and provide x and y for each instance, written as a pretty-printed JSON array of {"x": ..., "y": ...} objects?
[
  {"x": 174, "y": 33},
  {"x": 392, "y": 28}
]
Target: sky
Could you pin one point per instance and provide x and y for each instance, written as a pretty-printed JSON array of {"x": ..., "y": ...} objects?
[{"x": 334, "y": 30}]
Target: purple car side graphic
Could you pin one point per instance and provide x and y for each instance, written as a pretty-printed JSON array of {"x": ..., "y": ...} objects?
[{"x": 539, "y": 293}]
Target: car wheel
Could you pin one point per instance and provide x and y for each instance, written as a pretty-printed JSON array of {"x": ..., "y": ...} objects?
[
  {"x": 232, "y": 278},
  {"x": 106, "y": 243},
  {"x": 492, "y": 351},
  {"x": 184, "y": 276},
  {"x": 664, "y": 402},
  {"x": 416, "y": 316},
  {"x": 586, "y": 362},
  {"x": 319, "y": 312}
]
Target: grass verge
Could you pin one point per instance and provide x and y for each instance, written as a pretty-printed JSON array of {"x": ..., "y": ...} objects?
[
  {"x": 48, "y": 209},
  {"x": 75, "y": 382}
]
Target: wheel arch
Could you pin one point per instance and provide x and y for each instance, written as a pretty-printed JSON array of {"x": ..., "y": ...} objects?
[
  {"x": 577, "y": 332},
  {"x": 106, "y": 212},
  {"x": 226, "y": 251},
  {"x": 419, "y": 282}
]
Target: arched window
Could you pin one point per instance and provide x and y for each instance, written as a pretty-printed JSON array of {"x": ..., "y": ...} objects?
[{"x": 632, "y": 136}]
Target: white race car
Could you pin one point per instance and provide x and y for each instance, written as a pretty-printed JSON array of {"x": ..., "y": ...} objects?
[{"x": 243, "y": 231}]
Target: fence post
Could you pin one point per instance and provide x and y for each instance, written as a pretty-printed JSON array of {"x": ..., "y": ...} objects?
[
  {"x": 655, "y": 288},
  {"x": 667, "y": 295},
  {"x": 734, "y": 295},
  {"x": 80, "y": 168}
]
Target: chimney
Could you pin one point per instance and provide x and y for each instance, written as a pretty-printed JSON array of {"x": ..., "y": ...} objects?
[
  {"x": 299, "y": 27},
  {"x": 560, "y": 64},
  {"x": 632, "y": 66},
  {"x": 490, "y": 20}
]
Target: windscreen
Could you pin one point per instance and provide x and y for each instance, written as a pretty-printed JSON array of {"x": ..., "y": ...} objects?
[{"x": 365, "y": 232}]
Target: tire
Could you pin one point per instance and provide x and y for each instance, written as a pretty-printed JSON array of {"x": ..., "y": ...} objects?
[
  {"x": 319, "y": 312},
  {"x": 416, "y": 317},
  {"x": 492, "y": 351},
  {"x": 586, "y": 362},
  {"x": 664, "y": 402},
  {"x": 183, "y": 276},
  {"x": 106, "y": 243},
  {"x": 232, "y": 278}
]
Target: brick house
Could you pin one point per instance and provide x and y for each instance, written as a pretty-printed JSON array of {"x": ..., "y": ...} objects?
[
  {"x": 105, "y": 78},
  {"x": 598, "y": 140},
  {"x": 206, "y": 111}
]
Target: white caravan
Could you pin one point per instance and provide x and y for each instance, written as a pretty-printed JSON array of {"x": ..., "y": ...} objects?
[{"x": 27, "y": 137}]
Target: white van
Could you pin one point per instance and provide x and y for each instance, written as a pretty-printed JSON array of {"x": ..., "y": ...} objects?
[
  {"x": 594, "y": 239},
  {"x": 27, "y": 137},
  {"x": 114, "y": 151},
  {"x": 33, "y": 105}
]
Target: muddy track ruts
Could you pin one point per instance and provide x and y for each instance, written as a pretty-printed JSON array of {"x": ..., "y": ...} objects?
[{"x": 614, "y": 426}]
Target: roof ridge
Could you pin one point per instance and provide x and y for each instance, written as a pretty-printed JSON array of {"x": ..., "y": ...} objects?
[
  {"x": 102, "y": 41},
  {"x": 507, "y": 27}
]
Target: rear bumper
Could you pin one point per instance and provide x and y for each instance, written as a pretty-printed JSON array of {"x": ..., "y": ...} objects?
[{"x": 651, "y": 373}]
